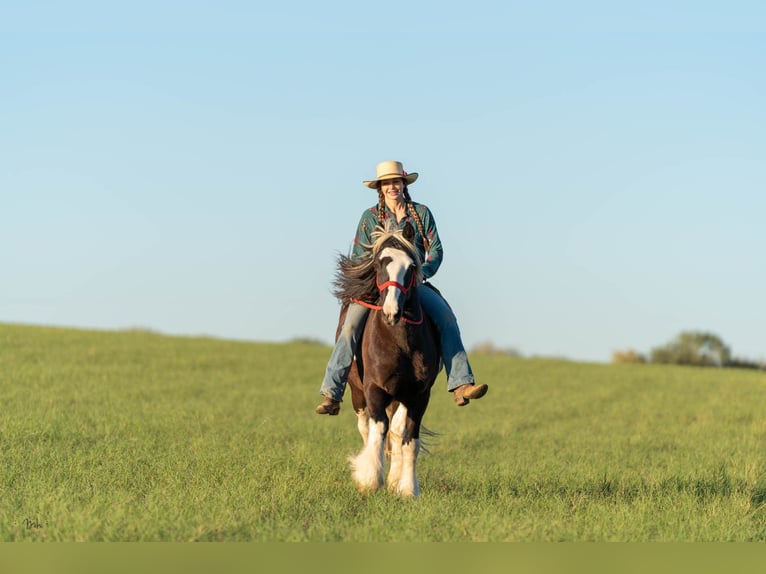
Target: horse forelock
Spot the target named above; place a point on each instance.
(389, 236)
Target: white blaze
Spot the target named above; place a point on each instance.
(397, 270)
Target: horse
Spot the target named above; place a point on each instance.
(396, 363)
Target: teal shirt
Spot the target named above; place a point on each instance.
(431, 260)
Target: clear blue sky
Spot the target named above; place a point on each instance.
(596, 169)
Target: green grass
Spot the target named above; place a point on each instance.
(133, 436)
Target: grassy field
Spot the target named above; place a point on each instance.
(134, 436)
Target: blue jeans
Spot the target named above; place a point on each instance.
(453, 353)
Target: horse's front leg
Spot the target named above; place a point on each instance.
(368, 467)
(363, 424)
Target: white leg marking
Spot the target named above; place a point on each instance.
(408, 483)
(362, 421)
(367, 467)
(395, 437)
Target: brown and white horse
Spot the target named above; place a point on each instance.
(396, 361)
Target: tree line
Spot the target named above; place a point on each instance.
(696, 348)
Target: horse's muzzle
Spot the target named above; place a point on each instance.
(392, 319)
(392, 307)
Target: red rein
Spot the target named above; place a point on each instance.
(401, 288)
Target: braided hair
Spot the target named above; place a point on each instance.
(381, 206)
(416, 217)
(410, 207)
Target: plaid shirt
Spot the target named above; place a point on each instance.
(369, 220)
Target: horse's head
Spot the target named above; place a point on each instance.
(398, 272)
(389, 272)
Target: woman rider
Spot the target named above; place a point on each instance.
(395, 204)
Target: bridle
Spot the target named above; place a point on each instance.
(396, 284)
(403, 289)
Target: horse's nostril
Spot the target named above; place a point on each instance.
(392, 318)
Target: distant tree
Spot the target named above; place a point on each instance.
(488, 348)
(628, 357)
(308, 341)
(693, 348)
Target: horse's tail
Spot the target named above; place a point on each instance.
(427, 438)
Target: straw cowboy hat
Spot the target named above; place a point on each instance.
(390, 170)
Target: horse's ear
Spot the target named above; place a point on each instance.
(409, 232)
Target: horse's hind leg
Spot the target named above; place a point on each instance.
(395, 447)
(405, 482)
(408, 483)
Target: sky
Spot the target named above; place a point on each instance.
(595, 169)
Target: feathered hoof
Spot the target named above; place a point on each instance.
(366, 479)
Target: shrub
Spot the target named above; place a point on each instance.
(628, 357)
(741, 363)
(487, 348)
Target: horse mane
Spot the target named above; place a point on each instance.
(356, 279)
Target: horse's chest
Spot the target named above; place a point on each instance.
(420, 367)
(407, 369)
(401, 360)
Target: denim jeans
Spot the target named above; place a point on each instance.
(453, 353)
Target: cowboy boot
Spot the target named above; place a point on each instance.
(328, 407)
(464, 393)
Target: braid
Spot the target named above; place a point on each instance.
(381, 206)
(416, 217)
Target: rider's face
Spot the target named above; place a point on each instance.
(392, 188)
